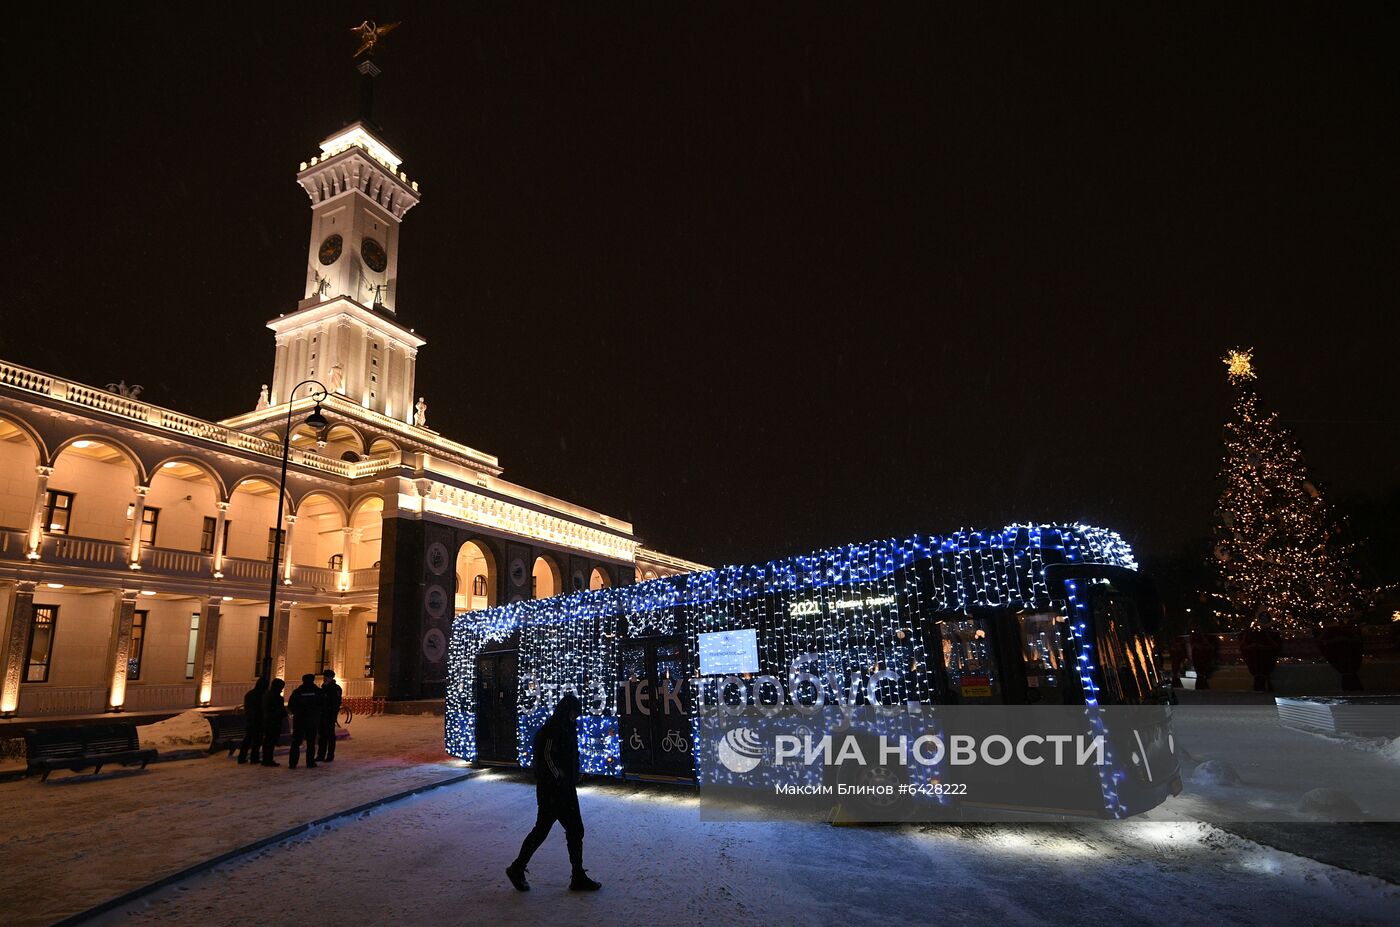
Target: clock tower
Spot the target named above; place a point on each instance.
(358, 198)
(345, 332)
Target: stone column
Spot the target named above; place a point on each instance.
(137, 508)
(347, 543)
(206, 646)
(119, 647)
(340, 639)
(21, 619)
(281, 628)
(36, 521)
(279, 376)
(220, 526)
(291, 521)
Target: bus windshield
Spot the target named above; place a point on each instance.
(1124, 649)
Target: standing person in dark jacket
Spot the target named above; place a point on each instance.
(325, 737)
(273, 714)
(252, 721)
(305, 706)
(556, 779)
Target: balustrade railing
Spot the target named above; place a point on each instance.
(360, 580)
(179, 562)
(94, 553)
(112, 403)
(84, 551)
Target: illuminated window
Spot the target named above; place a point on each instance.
(275, 539)
(337, 562)
(39, 654)
(478, 585)
(264, 628)
(369, 650)
(58, 510)
(192, 648)
(323, 645)
(138, 642)
(149, 519)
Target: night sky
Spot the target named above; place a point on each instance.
(759, 277)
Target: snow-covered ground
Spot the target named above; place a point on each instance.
(75, 841)
(438, 859)
(78, 841)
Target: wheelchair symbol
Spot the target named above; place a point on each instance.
(635, 741)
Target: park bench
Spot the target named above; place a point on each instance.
(226, 731)
(84, 746)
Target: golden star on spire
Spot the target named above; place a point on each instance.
(370, 33)
(1240, 364)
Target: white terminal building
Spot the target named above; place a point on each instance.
(136, 542)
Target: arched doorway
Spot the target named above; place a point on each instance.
(91, 492)
(252, 510)
(476, 577)
(20, 456)
(318, 540)
(186, 497)
(599, 579)
(545, 579)
(367, 524)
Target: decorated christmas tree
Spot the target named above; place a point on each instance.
(1280, 553)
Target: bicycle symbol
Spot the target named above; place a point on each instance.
(635, 741)
(674, 742)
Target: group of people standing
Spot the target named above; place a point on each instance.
(313, 709)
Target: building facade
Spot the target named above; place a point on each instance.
(136, 542)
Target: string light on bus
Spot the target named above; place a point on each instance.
(573, 641)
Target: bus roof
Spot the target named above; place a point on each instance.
(967, 568)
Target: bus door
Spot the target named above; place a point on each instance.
(1122, 614)
(969, 648)
(496, 719)
(654, 732)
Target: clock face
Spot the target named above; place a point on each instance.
(330, 249)
(373, 253)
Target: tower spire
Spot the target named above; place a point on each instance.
(370, 34)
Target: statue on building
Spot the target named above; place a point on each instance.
(369, 33)
(420, 413)
(121, 389)
(263, 400)
(337, 378)
(323, 285)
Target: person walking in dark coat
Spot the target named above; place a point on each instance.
(252, 721)
(330, 708)
(305, 706)
(273, 714)
(556, 779)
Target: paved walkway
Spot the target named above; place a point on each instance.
(77, 841)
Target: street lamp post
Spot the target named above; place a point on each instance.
(315, 420)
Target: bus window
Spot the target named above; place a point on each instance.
(1043, 650)
(1124, 650)
(967, 656)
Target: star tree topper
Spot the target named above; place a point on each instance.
(1240, 364)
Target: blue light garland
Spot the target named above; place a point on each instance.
(570, 643)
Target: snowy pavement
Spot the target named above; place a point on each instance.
(76, 841)
(437, 859)
(79, 841)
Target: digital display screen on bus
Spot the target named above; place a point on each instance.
(725, 652)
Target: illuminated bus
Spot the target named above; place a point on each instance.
(1029, 615)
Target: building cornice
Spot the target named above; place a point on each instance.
(320, 313)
